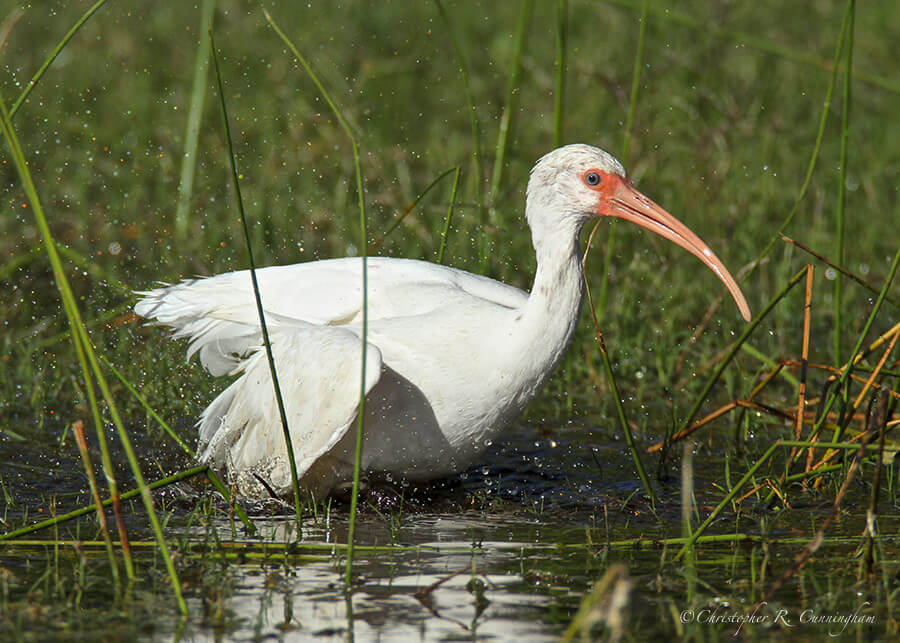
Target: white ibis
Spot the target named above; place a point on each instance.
(452, 357)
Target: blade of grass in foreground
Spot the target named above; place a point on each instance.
(614, 389)
(86, 349)
(128, 495)
(81, 441)
(213, 478)
(357, 461)
(74, 319)
(289, 446)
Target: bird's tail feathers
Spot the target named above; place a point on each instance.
(318, 371)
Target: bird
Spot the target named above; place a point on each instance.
(451, 357)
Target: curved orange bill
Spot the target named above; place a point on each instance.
(623, 201)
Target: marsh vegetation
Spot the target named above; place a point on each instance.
(747, 123)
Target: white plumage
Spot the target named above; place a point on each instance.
(452, 357)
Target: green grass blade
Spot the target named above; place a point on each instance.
(192, 129)
(128, 495)
(78, 329)
(162, 423)
(626, 149)
(313, 77)
(614, 389)
(727, 499)
(449, 217)
(843, 446)
(559, 93)
(477, 156)
(360, 193)
(512, 100)
(748, 330)
(842, 187)
(823, 119)
(750, 40)
(213, 478)
(626, 428)
(770, 362)
(256, 295)
(53, 54)
(412, 206)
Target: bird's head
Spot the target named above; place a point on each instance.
(576, 183)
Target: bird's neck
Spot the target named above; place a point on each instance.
(550, 316)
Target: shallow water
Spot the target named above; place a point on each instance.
(505, 551)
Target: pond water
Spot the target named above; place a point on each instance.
(505, 551)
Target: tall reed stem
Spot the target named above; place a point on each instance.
(842, 187)
(626, 151)
(512, 101)
(289, 445)
(477, 157)
(559, 93)
(192, 128)
(87, 354)
(361, 202)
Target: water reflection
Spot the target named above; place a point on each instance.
(436, 590)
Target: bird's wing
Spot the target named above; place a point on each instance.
(319, 372)
(218, 314)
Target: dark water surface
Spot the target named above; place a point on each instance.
(505, 551)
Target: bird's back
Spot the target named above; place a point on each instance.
(219, 316)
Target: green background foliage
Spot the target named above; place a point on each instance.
(726, 118)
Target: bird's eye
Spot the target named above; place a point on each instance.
(592, 179)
